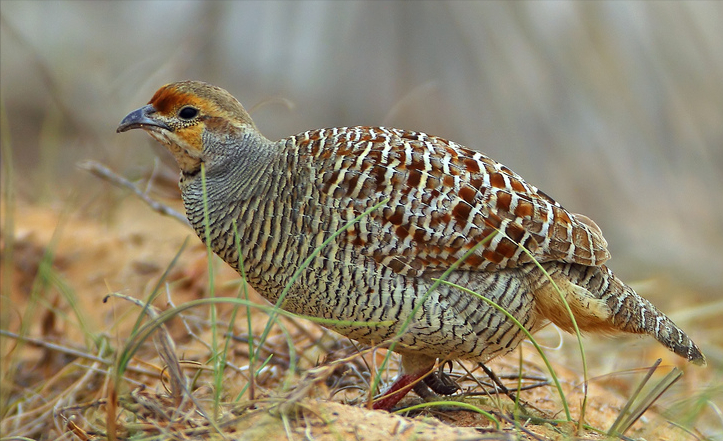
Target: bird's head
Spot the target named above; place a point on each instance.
(196, 122)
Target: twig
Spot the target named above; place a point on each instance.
(525, 388)
(114, 178)
(492, 376)
(519, 427)
(70, 351)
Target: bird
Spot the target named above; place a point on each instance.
(358, 226)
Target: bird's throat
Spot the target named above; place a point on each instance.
(188, 159)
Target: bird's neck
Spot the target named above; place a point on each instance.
(235, 191)
(235, 174)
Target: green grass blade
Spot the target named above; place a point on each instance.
(304, 265)
(124, 358)
(377, 378)
(7, 229)
(529, 336)
(217, 357)
(459, 404)
(578, 335)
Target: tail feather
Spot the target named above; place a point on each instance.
(601, 302)
(632, 313)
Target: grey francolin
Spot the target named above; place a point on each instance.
(287, 197)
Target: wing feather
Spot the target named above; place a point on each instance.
(444, 200)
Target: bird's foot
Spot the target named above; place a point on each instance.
(440, 383)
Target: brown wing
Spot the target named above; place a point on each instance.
(444, 199)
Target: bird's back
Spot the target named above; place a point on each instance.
(443, 200)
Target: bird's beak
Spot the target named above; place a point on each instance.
(141, 118)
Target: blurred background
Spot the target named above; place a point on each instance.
(615, 109)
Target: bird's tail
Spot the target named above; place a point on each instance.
(601, 302)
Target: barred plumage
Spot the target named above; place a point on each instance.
(286, 198)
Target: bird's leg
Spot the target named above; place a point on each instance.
(414, 368)
(399, 389)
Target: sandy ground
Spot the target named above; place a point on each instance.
(123, 247)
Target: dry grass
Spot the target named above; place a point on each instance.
(64, 374)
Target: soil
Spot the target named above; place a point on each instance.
(68, 271)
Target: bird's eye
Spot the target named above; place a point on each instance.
(187, 113)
